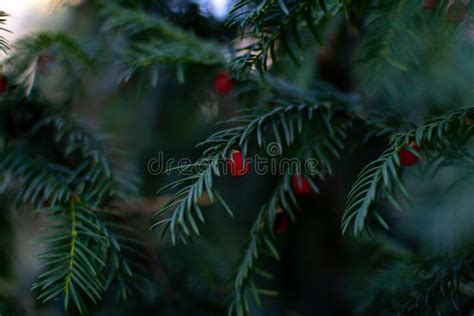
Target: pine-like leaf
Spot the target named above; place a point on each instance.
(324, 148)
(262, 124)
(269, 24)
(380, 178)
(4, 47)
(154, 41)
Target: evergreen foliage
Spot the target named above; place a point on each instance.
(51, 162)
(154, 41)
(262, 237)
(270, 24)
(282, 124)
(23, 61)
(3, 42)
(443, 139)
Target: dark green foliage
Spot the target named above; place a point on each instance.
(53, 163)
(3, 42)
(401, 40)
(23, 62)
(407, 54)
(85, 253)
(154, 41)
(74, 259)
(393, 42)
(446, 135)
(269, 24)
(282, 124)
(325, 146)
(33, 45)
(416, 285)
(445, 276)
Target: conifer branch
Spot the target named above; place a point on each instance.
(398, 38)
(261, 236)
(4, 47)
(74, 257)
(446, 134)
(273, 24)
(421, 282)
(83, 256)
(35, 44)
(70, 181)
(443, 279)
(23, 62)
(154, 41)
(326, 147)
(283, 124)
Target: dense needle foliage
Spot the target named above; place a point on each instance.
(331, 81)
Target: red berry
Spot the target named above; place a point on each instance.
(223, 83)
(429, 4)
(3, 84)
(300, 185)
(280, 224)
(407, 158)
(457, 11)
(236, 166)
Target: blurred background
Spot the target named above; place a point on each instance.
(320, 272)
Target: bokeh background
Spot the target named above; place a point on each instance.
(320, 272)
